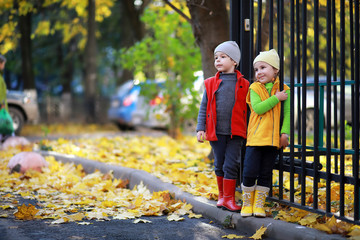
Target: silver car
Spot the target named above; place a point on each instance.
(310, 96)
(23, 108)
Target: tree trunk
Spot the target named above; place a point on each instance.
(26, 51)
(90, 65)
(210, 24)
(133, 31)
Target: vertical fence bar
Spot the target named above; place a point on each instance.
(292, 82)
(235, 21)
(342, 105)
(303, 109)
(335, 106)
(280, 22)
(245, 38)
(352, 65)
(351, 15)
(258, 34)
(271, 24)
(316, 104)
(251, 76)
(328, 106)
(298, 76)
(356, 113)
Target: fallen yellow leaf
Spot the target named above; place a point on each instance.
(232, 236)
(141, 221)
(26, 212)
(174, 217)
(355, 232)
(259, 233)
(193, 215)
(309, 220)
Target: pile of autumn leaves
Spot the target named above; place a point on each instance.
(64, 193)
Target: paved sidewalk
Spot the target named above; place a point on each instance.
(276, 229)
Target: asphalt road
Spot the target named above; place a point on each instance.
(160, 229)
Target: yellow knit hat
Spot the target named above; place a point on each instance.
(271, 57)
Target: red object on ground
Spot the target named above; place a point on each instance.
(24, 161)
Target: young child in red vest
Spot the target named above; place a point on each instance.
(222, 120)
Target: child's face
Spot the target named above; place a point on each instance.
(223, 63)
(264, 72)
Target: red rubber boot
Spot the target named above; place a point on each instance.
(220, 201)
(229, 196)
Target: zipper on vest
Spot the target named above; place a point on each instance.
(257, 126)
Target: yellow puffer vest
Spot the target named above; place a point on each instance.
(264, 130)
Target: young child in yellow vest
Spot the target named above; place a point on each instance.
(265, 135)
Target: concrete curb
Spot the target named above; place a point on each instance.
(276, 229)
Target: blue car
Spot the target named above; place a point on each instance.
(129, 109)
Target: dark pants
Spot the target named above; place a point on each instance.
(227, 155)
(258, 165)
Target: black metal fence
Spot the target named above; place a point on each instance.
(318, 44)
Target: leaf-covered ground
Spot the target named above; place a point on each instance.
(182, 162)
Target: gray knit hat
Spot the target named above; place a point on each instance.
(231, 49)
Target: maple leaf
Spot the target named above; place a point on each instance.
(259, 233)
(322, 227)
(232, 236)
(355, 234)
(75, 217)
(174, 217)
(309, 220)
(26, 212)
(141, 221)
(193, 215)
(60, 221)
(84, 223)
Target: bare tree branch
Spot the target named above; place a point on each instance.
(177, 10)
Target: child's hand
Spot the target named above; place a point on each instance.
(201, 136)
(282, 96)
(284, 140)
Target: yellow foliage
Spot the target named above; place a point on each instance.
(259, 233)
(25, 7)
(26, 212)
(43, 29)
(232, 236)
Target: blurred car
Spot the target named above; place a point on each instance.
(310, 106)
(128, 108)
(23, 108)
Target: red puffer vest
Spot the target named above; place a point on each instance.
(239, 111)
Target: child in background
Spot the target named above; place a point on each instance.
(222, 120)
(265, 137)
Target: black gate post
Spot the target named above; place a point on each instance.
(240, 32)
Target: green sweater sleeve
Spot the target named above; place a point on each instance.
(286, 120)
(261, 107)
(3, 92)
